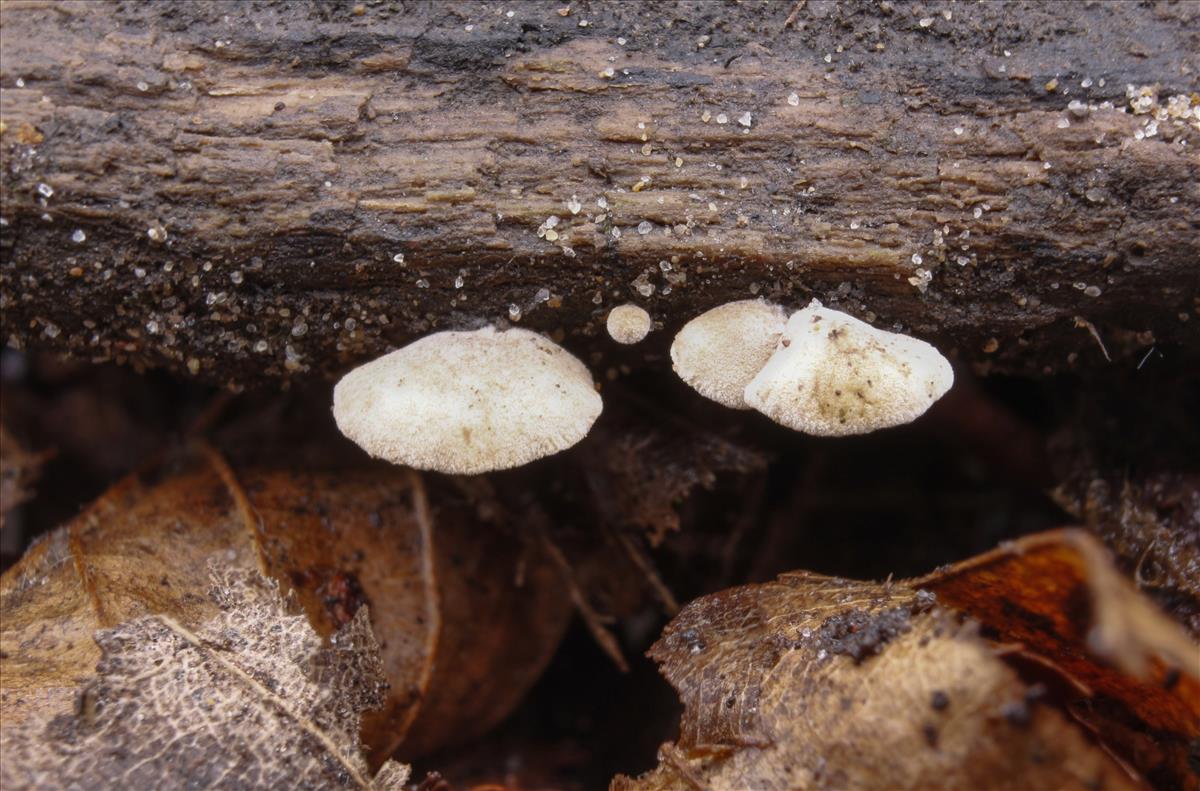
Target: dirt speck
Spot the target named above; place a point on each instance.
(860, 634)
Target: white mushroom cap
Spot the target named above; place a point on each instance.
(628, 323)
(720, 351)
(468, 402)
(834, 375)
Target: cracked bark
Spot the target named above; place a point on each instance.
(256, 192)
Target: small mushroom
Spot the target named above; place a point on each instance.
(468, 402)
(628, 324)
(834, 375)
(721, 350)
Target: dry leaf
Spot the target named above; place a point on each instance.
(466, 615)
(1129, 474)
(248, 699)
(1152, 521)
(815, 682)
(1134, 676)
(641, 469)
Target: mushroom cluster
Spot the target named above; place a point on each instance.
(821, 371)
(488, 399)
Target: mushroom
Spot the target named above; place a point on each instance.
(468, 402)
(721, 350)
(628, 324)
(834, 375)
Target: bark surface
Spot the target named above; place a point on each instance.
(250, 192)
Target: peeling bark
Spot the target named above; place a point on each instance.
(248, 192)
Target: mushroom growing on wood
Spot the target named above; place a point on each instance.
(834, 375)
(468, 402)
(628, 324)
(721, 350)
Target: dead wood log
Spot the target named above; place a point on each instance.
(249, 191)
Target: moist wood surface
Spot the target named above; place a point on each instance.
(256, 191)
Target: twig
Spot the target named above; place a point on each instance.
(795, 13)
(747, 519)
(212, 412)
(1080, 321)
(646, 565)
(593, 619)
(602, 500)
(481, 488)
(1147, 357)
(251, 519)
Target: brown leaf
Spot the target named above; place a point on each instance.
(817, 682)
(1059, 597)
(248, 699)
(460, 639)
